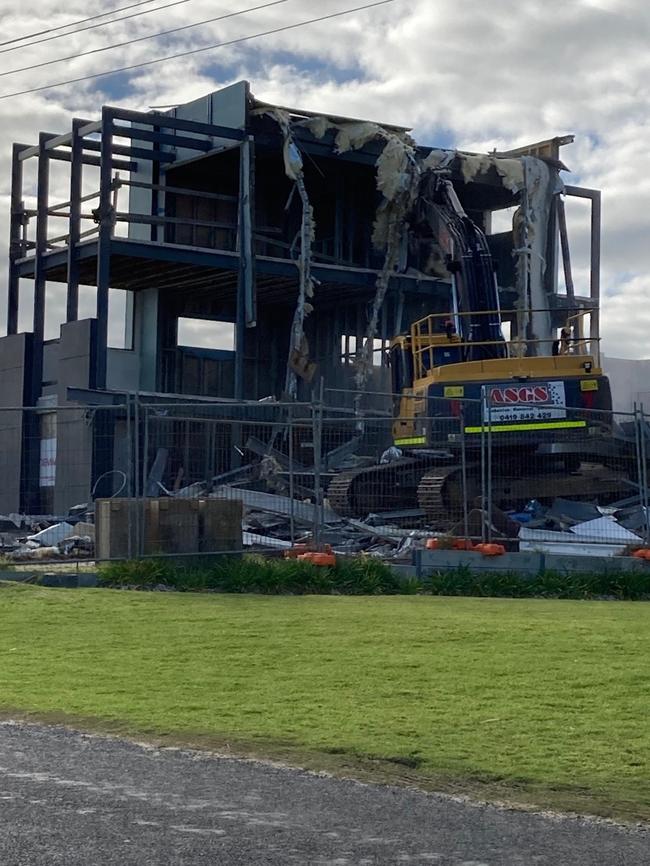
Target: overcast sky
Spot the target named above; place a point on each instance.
(472, 75)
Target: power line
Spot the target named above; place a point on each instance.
(195, 50)
(143, 38)
(73, 23)
(94, 26)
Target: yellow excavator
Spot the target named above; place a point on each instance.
(543, 403)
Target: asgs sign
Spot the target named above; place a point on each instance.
(520, 394)
(537, 401)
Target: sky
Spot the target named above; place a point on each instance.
(471, 75)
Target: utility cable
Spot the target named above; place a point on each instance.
(144, 38)
(71, 24)
(94, 26)
(240, 39)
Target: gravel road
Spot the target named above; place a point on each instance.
(78, 800)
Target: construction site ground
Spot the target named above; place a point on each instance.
(530, 702)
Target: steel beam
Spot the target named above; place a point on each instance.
(118, 164)
(91, 128)
(87, 129)
(65, 139)
(133, 152)
(168, 122)
(161, 138)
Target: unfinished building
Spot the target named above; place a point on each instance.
(286, 226)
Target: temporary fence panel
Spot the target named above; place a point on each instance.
(361, 475)
(55, 462)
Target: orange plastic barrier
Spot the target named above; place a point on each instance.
(456, 544)
(295, 551)
(298, 550)
(490, 549)
(316, 558)
(463, 544)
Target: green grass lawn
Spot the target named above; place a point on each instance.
(544, 702)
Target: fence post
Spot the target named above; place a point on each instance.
(292, 519)
(463, 463)
(317, 429)
(644, 475)
(129, 471)
(483, 458)
(489, 472)
(637, 452)
(137, 508)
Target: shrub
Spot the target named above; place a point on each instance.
(549, 584)
(365, 575)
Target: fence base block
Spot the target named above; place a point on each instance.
(152, 527)
(426, 561)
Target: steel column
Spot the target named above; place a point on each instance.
(247, 228)
(104, 248)
(246, 300)
(76, 169)
(594, 277)
(594, 292)
(38, 327)
(566, 253)
(15, 237)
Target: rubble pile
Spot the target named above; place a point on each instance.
(46, 537)
(285, 503)
(581, 528)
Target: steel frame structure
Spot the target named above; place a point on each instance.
(99, 257)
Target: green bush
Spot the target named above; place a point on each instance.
(367, 576)
(362, 576)
(632, 585)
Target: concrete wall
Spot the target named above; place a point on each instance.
(15, 351)
(74, 435)
(123, 370)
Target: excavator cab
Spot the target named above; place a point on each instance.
(401, 364)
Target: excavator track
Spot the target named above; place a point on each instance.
(438, 489)
(377, 488)
(440, 495)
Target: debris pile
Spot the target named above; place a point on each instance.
(581, 528)
(45, 537)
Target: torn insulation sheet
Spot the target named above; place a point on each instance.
(298, 363)
(511, 171)
(398, 176)
(530, 228)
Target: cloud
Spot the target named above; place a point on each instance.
(481, 75)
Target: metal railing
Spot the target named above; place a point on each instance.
(438, 331)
